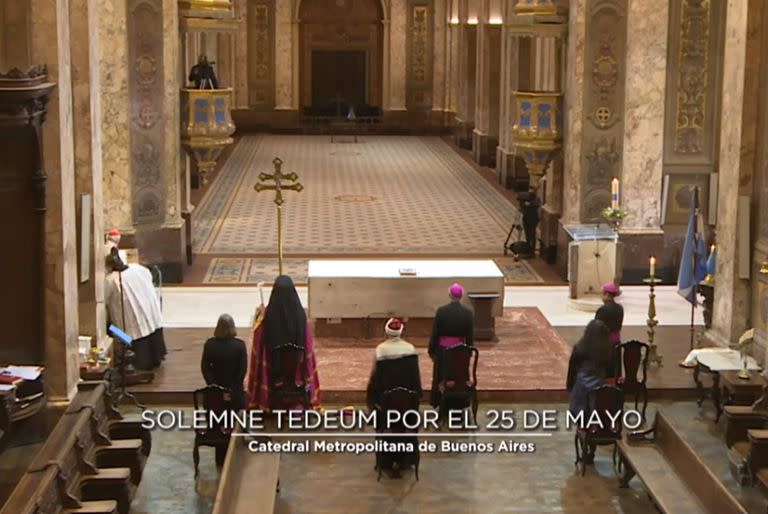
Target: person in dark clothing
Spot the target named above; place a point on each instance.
(612, 314)
(396, 365)
(454, 325)
(225, 360)
(596, 334)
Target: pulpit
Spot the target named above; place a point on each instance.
(206, 126)
(594, 258)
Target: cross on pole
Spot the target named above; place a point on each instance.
(278, 177)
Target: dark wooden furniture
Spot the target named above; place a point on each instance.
(23, 96)
(676, 478)
(738, 391)
(485, 323)
(288, 385)
(217, 400)
(713, 393)
(80, 468)
(22, 402)
(402, 400)
(248, 480)
(739, 420)
(608, 402)
(632, 367)
(459, 380)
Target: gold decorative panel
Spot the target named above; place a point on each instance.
(603, 122)
(694, 64)
(261, 84)
(419, 63)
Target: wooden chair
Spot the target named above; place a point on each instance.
(288, 385)
(212, 399)
(608, 401)
(459, 378)
(632, 368)
(399, 399)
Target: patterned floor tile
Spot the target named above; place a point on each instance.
(383, 195)
(237, 270)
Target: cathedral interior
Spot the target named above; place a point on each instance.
(569, 143)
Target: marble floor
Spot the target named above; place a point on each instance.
(543, 482)
(192, 307)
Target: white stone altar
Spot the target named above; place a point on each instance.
(362, 289)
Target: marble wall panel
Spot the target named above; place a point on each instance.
(172, 182)
(440, 51)
(397, 55)
(284, 54)
(419, 56)
(574, 101)
(641, 169)
(60, 267)
(14, 43)
(241, 71)
(261, 63)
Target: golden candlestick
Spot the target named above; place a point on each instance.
(653, 354)
(278, 176)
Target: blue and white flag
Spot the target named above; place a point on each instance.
(693, 267)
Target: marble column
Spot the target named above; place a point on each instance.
(284, 54)
(440, 52)
(49, 43)
(240, 83)
(743, 39)
(486, 121)
(505, 155)
(397, 56)
(574, 102)
(88, 166)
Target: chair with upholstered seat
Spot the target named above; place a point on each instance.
(217, 400)
(288, 385)
(401, 400)
(608, 402)
(459, 378)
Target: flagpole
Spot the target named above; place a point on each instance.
(693, 258)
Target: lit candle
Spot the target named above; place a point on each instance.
(653, 266)
(615, 193)
(711, 249)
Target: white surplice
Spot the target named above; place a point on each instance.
(142, 306)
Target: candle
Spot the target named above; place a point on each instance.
(711, 249)
(615, 193)
(653, 266)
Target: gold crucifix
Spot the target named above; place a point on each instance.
(278, 176)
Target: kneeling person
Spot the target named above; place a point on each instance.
(396, 365)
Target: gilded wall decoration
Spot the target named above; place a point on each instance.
(261, 83)
(145, 92)
(602, 118)
(694, 57)
(419, 64)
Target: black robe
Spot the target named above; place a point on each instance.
(391, 371)
(612, 314)
(224, 363)
(451, 320)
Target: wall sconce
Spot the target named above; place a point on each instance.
(496, 20)
(454, 20)
(472, 20)
(764, 267)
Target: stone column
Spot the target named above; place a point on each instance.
(240, 82)
(574, 101)
(50, 44)
(440, 52)
(738, 126)
(284, 54)
(641, 175)
(397, 57)
(505, 157)
(486, 130)
(88, 161)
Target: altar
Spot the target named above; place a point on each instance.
(353, 298)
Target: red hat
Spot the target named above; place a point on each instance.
(113, 232)
(394, 327)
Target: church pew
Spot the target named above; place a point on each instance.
(41, 493)
(739, 420)
(675, 477)
(248, 482)
(95, 395)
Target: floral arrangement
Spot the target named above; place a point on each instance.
(614, 216)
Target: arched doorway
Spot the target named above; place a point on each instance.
(341, 53)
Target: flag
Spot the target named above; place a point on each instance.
(693, 263)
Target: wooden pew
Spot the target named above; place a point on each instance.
(676, 478)
(739, 420)
(248, 481)
(80, 469)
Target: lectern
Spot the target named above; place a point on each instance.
(594, 258)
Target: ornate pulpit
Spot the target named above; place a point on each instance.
(538, 130)
(206, 125)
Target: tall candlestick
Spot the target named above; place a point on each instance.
(653, 267)
(615, 193)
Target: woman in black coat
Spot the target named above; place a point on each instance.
(225, 360)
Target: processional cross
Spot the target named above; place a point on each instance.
(278, 177)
